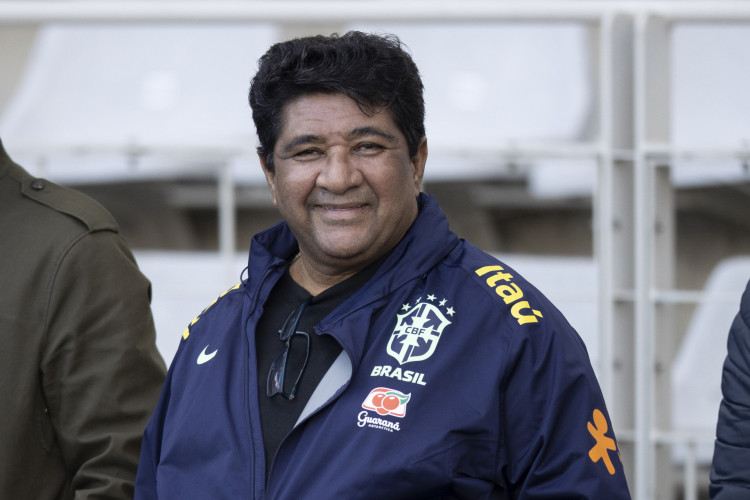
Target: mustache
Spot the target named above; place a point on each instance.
(339, 201)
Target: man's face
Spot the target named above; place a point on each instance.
(343, 181)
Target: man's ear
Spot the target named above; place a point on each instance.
(418, 164)
(270, 178)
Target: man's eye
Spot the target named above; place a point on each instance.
(307, 154)
(368, 148)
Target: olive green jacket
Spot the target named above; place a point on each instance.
(79, 370)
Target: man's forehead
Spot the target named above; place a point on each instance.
(333, 99)
(312, 116)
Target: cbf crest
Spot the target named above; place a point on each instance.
(418, 330)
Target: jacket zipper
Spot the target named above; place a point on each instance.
(328, 402)
(255, 298)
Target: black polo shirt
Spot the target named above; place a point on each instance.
(278, 414)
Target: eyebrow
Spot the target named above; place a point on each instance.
(354, 134)
(300, 139)
(363, 131)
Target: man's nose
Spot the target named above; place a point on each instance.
(340, 172)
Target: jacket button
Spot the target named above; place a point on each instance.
(37, 184)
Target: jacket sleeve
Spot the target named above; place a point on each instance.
(146, 484)
(101, 371)
(146, 487)
(559, 441)
(730, 474)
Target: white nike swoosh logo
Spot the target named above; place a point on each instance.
(203, 357)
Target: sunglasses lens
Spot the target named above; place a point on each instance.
(287, 330)
(275, 384)
(277, 373)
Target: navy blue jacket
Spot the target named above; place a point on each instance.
(457, 379)
(730, 470)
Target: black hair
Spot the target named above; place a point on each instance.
(372, 69)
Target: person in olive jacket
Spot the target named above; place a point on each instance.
(730, 468)
(79, 366)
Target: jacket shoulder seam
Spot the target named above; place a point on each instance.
(231, 291)
(70, 202)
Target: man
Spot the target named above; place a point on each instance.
(730, 474)
(370, 353)
(80, 369)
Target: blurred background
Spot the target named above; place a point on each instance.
(601, 148)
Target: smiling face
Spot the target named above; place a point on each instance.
(343, 181)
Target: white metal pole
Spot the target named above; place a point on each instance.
(643, 448)
(227, 229)
(328, 11)
(603, 199)
(690, 471)
(293, 11)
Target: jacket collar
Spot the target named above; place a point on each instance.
(427, 242)
(5, 161)
(424, 245)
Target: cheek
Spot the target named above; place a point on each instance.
(397, 187)
(291, 199)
